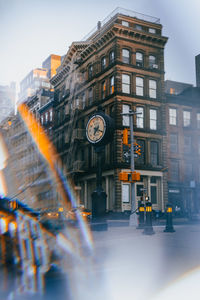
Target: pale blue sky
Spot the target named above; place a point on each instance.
(31, 30)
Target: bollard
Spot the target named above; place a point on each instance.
(141, 217)
(169, 224)
(148, 229)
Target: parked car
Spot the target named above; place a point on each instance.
(86, 214)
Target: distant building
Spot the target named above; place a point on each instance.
(39, 78)
(175, 87)
(183, 150)
(7, 99)
(51, 64)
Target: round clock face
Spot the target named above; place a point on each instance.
(95, 129)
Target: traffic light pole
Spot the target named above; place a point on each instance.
(133, 216)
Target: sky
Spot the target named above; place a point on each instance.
(31, 30)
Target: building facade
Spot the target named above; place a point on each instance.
(7, 99)
(183, 148)
(120, 66)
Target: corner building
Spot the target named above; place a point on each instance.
(119, 66)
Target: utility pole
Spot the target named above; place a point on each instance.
(133, 216)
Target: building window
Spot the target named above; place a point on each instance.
(139, 86)
(50, 115)
(111, 57)
(138, 27)
(125, 119)
(141, 158)
(112, 85)
(187, 144)
(152, 88)
(90, 71)
(139, 59)
(153, 194)
(154, 153)
(186, 118)
(126, 83)
(152, 62)
(188, 171)
(103, 89)
(126, 56)
(199, 145)
(174, 170)
(198, 120)
(83, 100)
(173, 142)
(46, 117)
(152, 30)
(153, 119)
(42, 120)
(90, 96)
(103, 63)
(172, 116)
(140, 117)
(125, 23)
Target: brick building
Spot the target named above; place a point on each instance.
(118, 66)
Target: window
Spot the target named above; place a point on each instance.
(198, 120)
(153, 119)
(83, 100)
(111, 57)
(125, 119)
(138, 27)
(139, 59)
(90, 96)
(46, 117)
(103, 89)
(188, 171)
(141, 158)
(103, 63)
(42, 120)
(51, 115)
(112, 85)
(186, 118)
(152, 30)
(126, 83)
(152, 88)
(174, 170)
(152, 61)
(173, 142)
(125, 23)
(139, 86)
(198, 145)
(140, 117)
(154, 153)
(126, 56)
(90, 71)
(153, 194)
(172, 116)
(187, 144)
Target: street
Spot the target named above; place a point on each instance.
(132, 265)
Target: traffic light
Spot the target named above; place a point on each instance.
(137, 148)
(135, 176)
(125, 136)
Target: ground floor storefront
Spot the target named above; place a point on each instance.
(118, 193)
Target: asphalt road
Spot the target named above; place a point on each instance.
(131, 265)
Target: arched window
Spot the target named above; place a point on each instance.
(126, 56)
(103, 63)
(111, 56)
(139, 59)
(152, 62)
(139, 86)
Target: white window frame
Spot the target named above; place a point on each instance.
(173, 116)
(125, 119)
(153, 118)
(126, 83)
(186, 118)
(126, 56)
(140, 117)
(139, 86)
(152, 88)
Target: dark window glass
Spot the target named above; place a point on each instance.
(154, 153)
(173, 142)
(153, 194)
